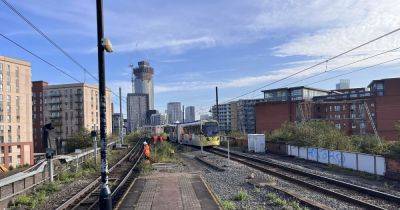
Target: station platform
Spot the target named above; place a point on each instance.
(169, 190)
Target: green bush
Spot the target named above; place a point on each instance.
(164, 152)
(241, 196)
(228, 205)
(324, 134)
(79, 140)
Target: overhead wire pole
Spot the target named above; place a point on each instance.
(105, 193)
(121, 117)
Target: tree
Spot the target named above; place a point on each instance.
(79, 140)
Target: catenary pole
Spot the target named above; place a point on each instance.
(121, 117)
(105, 193)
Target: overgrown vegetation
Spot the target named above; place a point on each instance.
(37, 198)
(164, 152)
(324, 134)
(228, 205)
(80, 140)
(133, 137)
(277, 201)
(241, 195)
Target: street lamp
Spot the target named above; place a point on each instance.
(103, 45)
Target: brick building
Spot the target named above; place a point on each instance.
(37, 114)
(354, 111)
(284, 105)
(15, 112)
(73, 107)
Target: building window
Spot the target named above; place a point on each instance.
(9, 149)
(337, 108)
(337, 116)
(10, 159)
(338, 126)
(352, 116)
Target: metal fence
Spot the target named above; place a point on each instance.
(23, 181)
(373, 164)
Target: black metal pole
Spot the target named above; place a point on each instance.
(216, 103)
(121, 117)
(183, 114)
(105, 193)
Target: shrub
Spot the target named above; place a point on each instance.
(241, 196)
(80, 140)
(164, 152)
(228, 205)
(324, 134)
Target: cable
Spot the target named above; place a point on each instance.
(329, 78)
(12, 8)
(315, 65)
(40, 58)
(336, 68)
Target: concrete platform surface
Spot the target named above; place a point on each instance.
(169, 191)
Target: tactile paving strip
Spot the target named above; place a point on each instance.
(189, 198)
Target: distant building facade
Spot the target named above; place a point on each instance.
(74, 107)
(142, 81)
(116, 117)
(38, 114)
(237, 115)
(157, 119)
(343, 84)
(174, 112)
(205, 117)
(15, 112)
(137, 107)
(353, 111)
(190, 114)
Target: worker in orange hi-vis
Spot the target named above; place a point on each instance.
(146, 150)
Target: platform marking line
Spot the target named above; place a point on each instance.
(189, 198)
(146, 197)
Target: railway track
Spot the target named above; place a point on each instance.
(354, 194)
(121, 175)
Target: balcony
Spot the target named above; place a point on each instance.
(55, 117)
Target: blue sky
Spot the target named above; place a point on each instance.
(197, 45)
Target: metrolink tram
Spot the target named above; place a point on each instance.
(199, 133)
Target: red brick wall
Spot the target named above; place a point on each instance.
(387, 113)
(271, 115)
(37, 93)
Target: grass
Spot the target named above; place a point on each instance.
(37, 198)
(228, 205)
(277, 201)
(164, 152)
(241, 196)
(40, 194)
(145, 168)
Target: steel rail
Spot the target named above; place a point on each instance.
(260, 164)
(93, 186)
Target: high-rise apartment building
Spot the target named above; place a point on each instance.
(174, 111)
(157, 119)
(343, 84)
(37, 115)
(15, 112)
(237, 115)
(137, 107)
(142, 81)
(190, 114)
(73, 107)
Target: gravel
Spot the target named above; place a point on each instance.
(227, 184)
(362, 179)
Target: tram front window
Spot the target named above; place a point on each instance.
(210, 129)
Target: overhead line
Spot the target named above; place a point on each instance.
(339, 75)
(11, 7)
(322, 62)
(40, 58)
